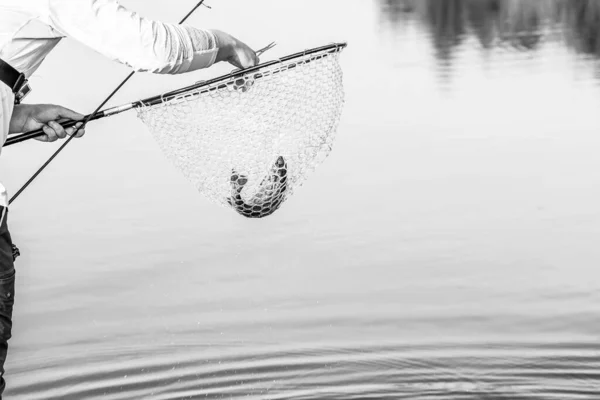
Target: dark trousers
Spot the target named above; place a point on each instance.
(7, 292)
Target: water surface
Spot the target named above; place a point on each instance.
(447, 249)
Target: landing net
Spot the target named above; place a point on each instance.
(250, 139)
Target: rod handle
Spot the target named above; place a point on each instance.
(21, 137)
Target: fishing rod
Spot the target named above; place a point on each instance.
(198, 88)
(87, 119)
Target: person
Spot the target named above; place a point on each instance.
(31, 29)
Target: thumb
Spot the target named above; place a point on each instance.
(251, 59)
(63, 112)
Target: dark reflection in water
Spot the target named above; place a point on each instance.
(524, 25)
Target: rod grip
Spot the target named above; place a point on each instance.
(37, 133)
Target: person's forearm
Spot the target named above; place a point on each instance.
(124, 36)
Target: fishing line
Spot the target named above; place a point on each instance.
(86, 120)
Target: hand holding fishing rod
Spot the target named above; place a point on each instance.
(50, 122)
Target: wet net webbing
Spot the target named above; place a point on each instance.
(249, 141)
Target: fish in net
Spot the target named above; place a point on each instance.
(248, 142)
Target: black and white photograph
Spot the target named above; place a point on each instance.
(300, 200)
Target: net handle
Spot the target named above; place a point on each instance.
(151, 101)
(37, 133)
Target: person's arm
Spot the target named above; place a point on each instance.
(145, 45)
(31, 117)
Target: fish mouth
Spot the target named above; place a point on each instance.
(269, 196)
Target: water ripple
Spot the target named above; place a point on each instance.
(452, 371)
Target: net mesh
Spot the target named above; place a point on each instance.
(248, 142)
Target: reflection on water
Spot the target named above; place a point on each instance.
(520, 24)
(447, 249)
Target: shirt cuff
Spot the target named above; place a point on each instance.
(205, 49)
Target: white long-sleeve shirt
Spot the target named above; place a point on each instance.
(30, 29)
(6, 108)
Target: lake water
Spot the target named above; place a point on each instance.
(447, 249)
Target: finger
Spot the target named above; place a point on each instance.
(56, 127)
(252, 59)
(236, 62)
(69, 114)
(73, 129)
(77, 130)
(80, 132)
(43, 138)
(244, 59)
(51, 135)
(248, 62)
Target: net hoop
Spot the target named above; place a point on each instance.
(248, 139)
(220, 82)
